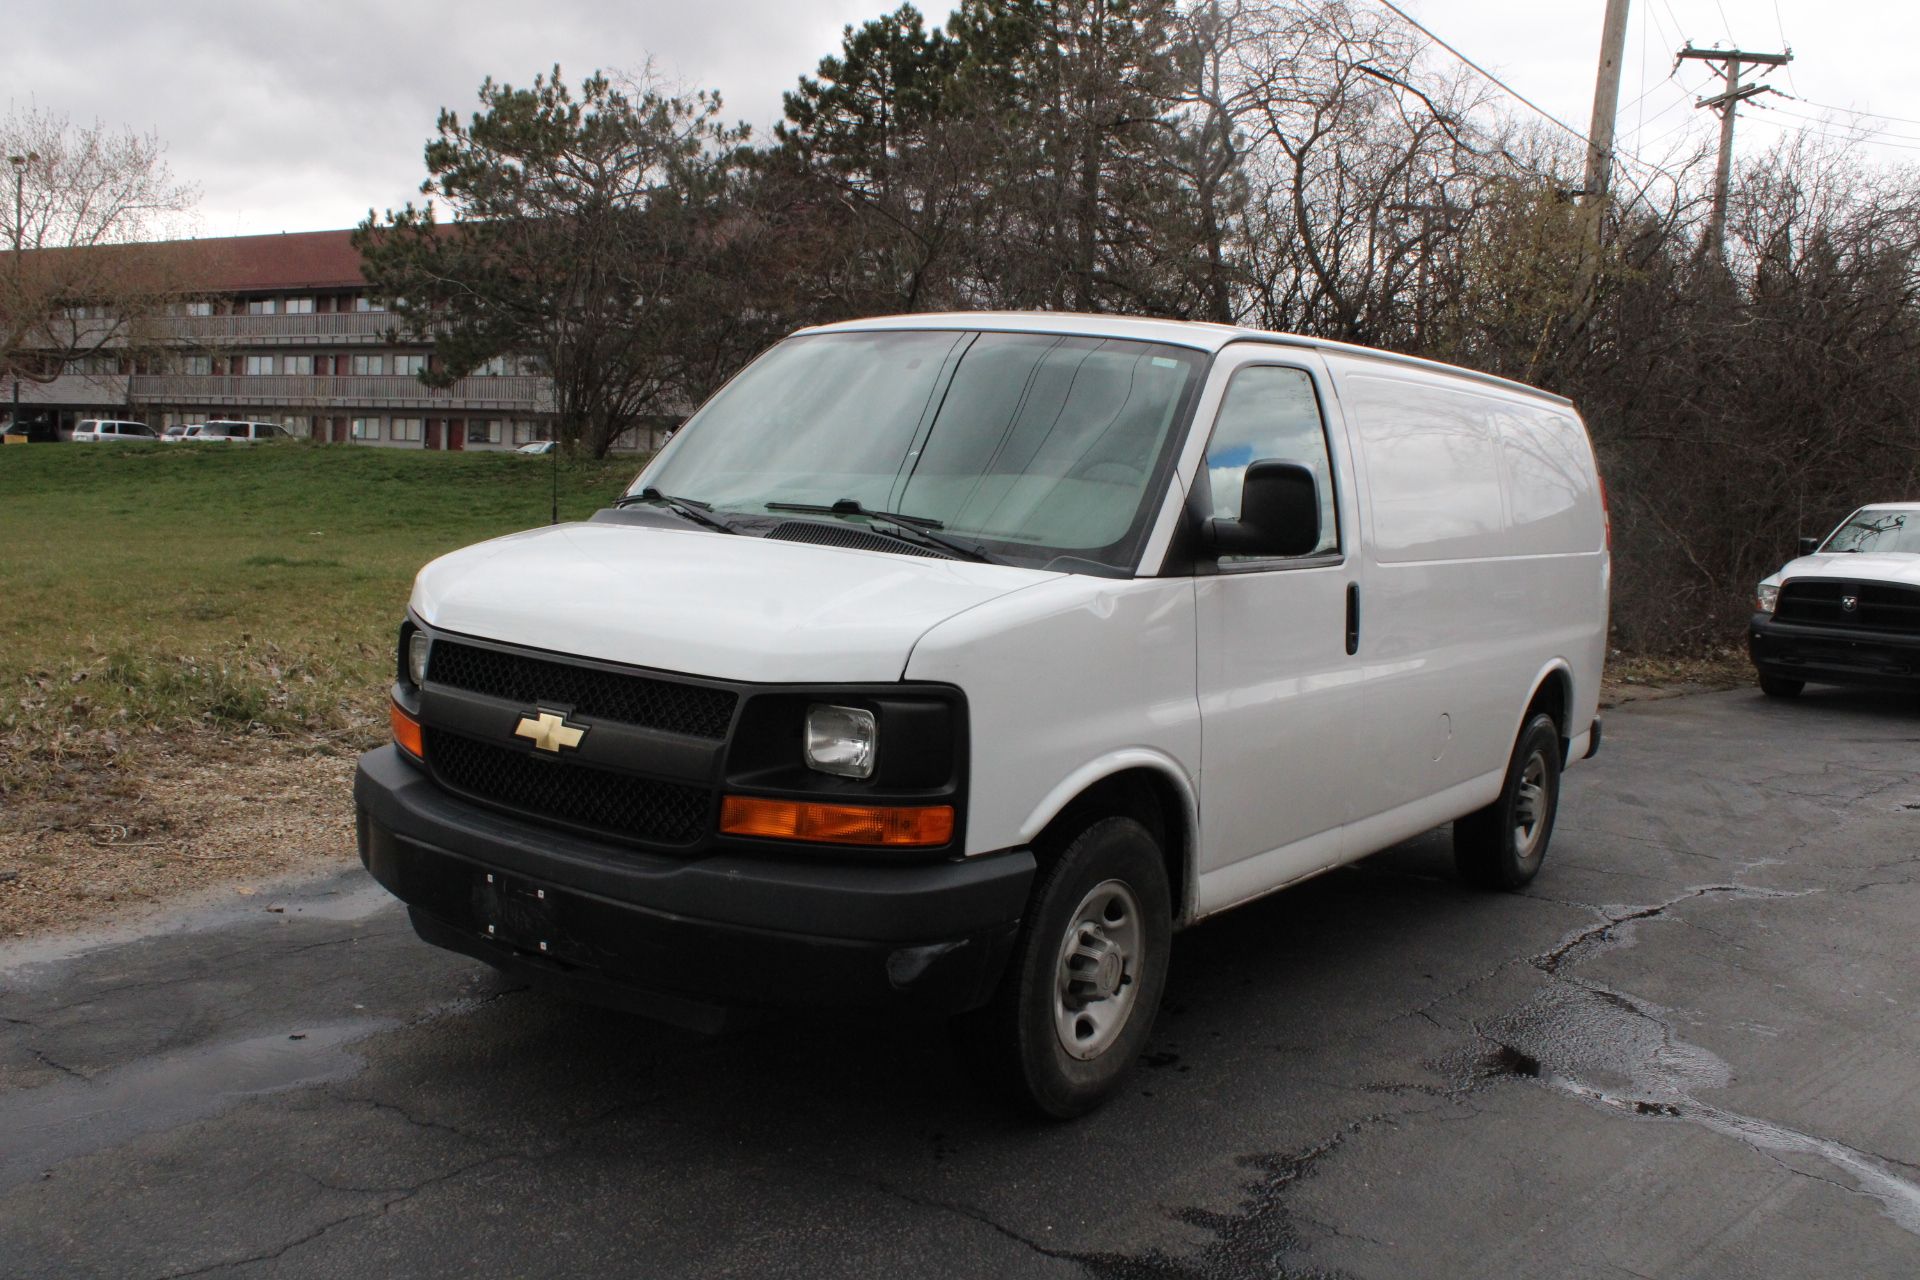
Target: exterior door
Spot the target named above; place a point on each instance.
(1279, 693)
(456, 433)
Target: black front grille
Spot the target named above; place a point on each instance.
(596, 799)
(590, 692)
(1877, 606)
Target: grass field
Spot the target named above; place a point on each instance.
(160, 586)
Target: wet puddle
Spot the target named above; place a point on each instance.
(73, 1117)
(1618, 1052)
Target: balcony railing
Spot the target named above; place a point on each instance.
(355, 327)
(318, 391)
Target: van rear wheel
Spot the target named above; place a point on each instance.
(1077, 1003)
(1502, 845)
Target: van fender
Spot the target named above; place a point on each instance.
(1070, 788)
(1547, 670)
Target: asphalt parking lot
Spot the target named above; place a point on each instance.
(1690, 1049)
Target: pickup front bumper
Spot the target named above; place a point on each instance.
(1834, 655)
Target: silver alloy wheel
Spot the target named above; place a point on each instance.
(1095, 982)
(1530, 804)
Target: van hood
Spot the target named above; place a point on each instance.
(1896, 567)
(726, 606)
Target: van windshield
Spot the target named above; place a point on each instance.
(1037, 447)
(1878, 531)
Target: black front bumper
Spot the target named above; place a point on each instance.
(682, 938)
(1834, 655)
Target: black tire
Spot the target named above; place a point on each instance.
(1781, 687)
(1502, 845)
(1017, 1043)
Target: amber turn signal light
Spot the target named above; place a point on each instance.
(836, 823)
(406, 732)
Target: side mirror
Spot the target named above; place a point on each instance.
(1279, 514)
(1809, 545)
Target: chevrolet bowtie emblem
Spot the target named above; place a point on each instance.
(549, 732)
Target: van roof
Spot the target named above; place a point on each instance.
(1202, 335)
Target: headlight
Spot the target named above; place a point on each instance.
(417, 646)
(1765, 597)
(840, 740)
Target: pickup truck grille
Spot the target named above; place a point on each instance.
(1877, 606)
(591, 692)
(598, 800)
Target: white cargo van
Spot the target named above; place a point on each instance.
(952, 662)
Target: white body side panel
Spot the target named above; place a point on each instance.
(1486, 569)
(1067, 683)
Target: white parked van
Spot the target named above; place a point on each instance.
(103, 430)
(953, 662)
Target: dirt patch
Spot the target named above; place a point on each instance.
(113, 834)
(1637, 679)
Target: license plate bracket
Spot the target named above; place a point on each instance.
(520, 914)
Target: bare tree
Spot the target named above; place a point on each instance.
(79, 284)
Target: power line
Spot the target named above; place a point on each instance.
(1511, 91)
(1784, 43)
(1863, 130)
(1515, 93)
(1852, 111)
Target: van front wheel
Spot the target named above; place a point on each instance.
(1083, 985)
(1502, 845)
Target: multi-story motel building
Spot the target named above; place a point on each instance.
(281, 328)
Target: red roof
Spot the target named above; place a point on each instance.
(243, 264)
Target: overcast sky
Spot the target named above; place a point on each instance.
(300, 116)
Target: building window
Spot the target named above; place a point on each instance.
(200, 366)
(299, 306)
(494, 368)
(263, 306)
(369, 364)
(483, 432)
(366, 428)
(257, 365)
(407, 429)
(296, 364)
(409, 366)
(523, 433)
(362, 302)
(199, 308)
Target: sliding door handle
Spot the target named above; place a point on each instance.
(1353, 618)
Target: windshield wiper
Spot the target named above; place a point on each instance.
(919, 529)
(691, 508)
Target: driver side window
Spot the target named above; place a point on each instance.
(1270, 413)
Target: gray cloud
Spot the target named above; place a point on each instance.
(298, 116)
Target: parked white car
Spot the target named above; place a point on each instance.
(227, 432)
(103, 430)
(952, 663)
(536, 447)
(1847, 611)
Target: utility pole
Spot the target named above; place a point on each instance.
(19, 164)
(1727, 103)
(1606, 103)
(1593, 192)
